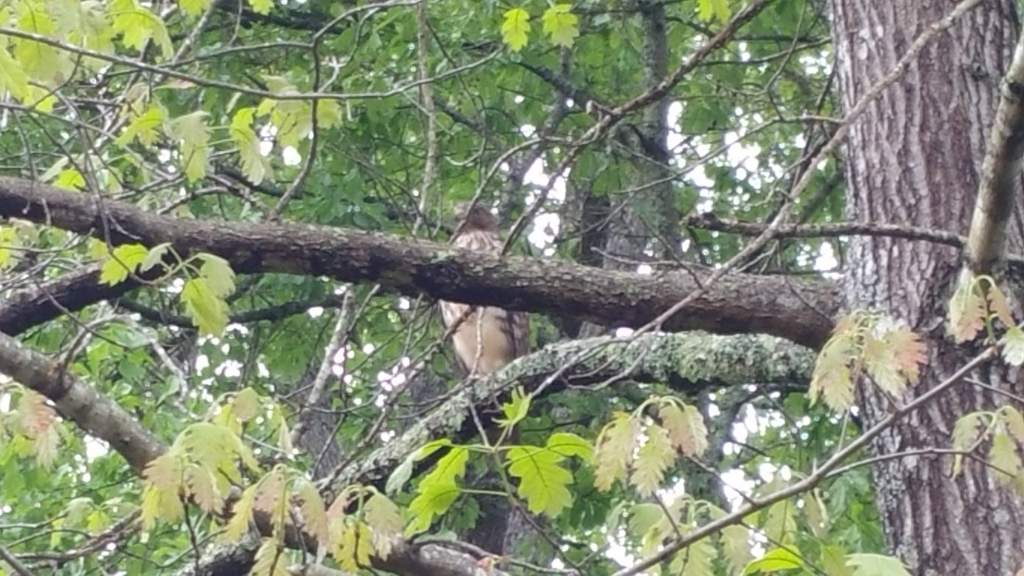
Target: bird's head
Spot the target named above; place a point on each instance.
(476, 217)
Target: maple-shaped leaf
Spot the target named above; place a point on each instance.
(569, 444)
(614, 450)
(40, 61)
(561, 25)
(385, 521)
(241, 516)
(1013, 346)
(652, 460)
(193, 138)
(695, 560)
(438, 489)
(542, 478)
(13, 78)
(137, 26)
(124, 260)
(208, 312)
(194, 7)
(775, 560)
(966, 311)
(833, 561)
(515, 28)
(218, 274)
(685, 426)
(254, 164)
(1003, 457)
(401, 474)
(70, 179)
(832, 379)
(261, 6)
(875, 565)
(708, 9)
(144, 128)
(314, 513)
(269, 560)
(967, 432)
(515, 409)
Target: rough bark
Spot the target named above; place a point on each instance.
(915, 158)
(799, 310)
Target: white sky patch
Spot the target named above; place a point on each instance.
(527, 130)
(5, 403)
(404, 304)
(545, 229)
(623, 332)
(290, 156)
(644, 269)
(518, 99)
(202, 362)
(229, 369)
(95, 448)
(315, 311)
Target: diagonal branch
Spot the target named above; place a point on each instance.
(796, 309)
(1000, 178)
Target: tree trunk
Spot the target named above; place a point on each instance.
(915, 158)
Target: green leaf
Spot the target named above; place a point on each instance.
(542, 479)
(832, 379)
(1013, 346)
(652, 460)
(194, 7)
(695, 560)
(774, 561)
(569, 444)
(13, 78)
(385, 520)
(269, 561)
(241, 516)
(561, 25)
(137, 26)
(875, 565)
(966, 311)
(708, 9)
(967, 432)
(125, 259)
(209, 312)
(70, 179)
(254, 164)
(194, 150)
(515, 28)
(261, 6)
(154, 256)
(145, 127)
(1003, 457)
(438, 490)
(515, 409)
(218, 274)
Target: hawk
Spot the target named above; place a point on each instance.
(502, 334)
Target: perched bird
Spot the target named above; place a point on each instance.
(503, 335)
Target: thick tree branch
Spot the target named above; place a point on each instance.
(688, 363)
(799, 310)
(1000, 179)
(71, 292)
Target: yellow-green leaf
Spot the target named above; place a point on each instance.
(875, 565)
(561, 25)
(269, 560)
(261, 6)
(194, 7)
(685, 426)
(515, 28)
(137, 26)
(1013, 346)
(194, 150)
(385, 520)
(775, 560)
(13, 78)
(241, 516)
(614, 450)
(652, 460)
(209, 313)
(254, 165)
(125, 259)
(218, 274)
(542, 479)
(70, 179)
(145, 127)
(708, 9)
